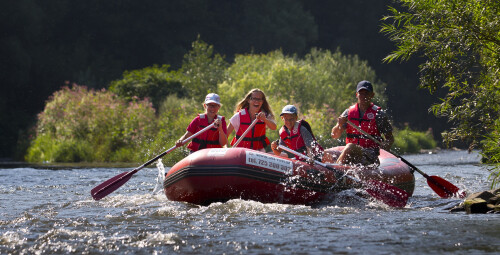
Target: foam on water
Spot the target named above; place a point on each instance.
(51, 212)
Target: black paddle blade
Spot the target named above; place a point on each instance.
(444, 188)
(111, 185)
(389, 194)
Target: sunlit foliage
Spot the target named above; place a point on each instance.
(153, 82)
(78, 124)
(322, 85)
(460, 42)
(86, 125)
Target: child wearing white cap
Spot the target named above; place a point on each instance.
(215, 137)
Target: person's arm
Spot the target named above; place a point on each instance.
(270, 122)
(221, 127)
(338, 129)
(341, 125)
(278, 152)
(233, 124)
(309, 143)
(190, 130)
(188, 134)
(274, 147)
(308, 138)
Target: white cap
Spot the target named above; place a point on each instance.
(212, 98)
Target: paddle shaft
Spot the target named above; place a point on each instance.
(174, 147)
(442, 184)
(246, 132)
(114, 183)
(338, 173)
(380, 143)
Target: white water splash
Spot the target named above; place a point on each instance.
(160, 178)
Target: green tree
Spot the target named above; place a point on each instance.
(322, 85)
(201, 69)
(460, 42)
(153, 82)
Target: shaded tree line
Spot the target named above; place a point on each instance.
(45, 43)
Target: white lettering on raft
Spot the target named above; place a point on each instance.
(267, 161)
(217, 152)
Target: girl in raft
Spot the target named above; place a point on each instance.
(213, 138)
(253, 106)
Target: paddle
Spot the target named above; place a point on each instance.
(442, 187)
(389, 194)
(246, 132)
(107, 187)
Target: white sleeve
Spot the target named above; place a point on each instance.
(235, 121)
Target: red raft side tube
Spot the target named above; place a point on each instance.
(218, 175)
(391, 171)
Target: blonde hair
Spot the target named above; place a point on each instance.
(244, 102)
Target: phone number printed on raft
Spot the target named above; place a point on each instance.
(268, 161)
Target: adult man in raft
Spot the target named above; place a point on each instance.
(370, 118)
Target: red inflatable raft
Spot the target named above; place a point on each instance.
(218, 175)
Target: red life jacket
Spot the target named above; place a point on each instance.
(208, 139)
(367, 123)
(256, 138)
(295, 141)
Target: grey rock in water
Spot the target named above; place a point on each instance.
(480, 202)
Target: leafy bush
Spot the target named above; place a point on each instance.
(152, 82)
(174, 117)
(491, 153)
(410, 141)
(85, 125)
(78, 124)
(322, 85)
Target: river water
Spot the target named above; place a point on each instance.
(47, 211)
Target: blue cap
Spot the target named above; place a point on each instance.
(364, 85)
(289, 109)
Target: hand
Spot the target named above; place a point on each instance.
(178, 143)
(261, 116)
(274, 145)
(342, 121)
(217, 124)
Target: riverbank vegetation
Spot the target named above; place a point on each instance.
(460, 43)
(147, 110)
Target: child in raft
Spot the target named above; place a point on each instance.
(253, 106)
(297, 135)
(214, 137)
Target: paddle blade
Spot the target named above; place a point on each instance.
(444, 188)
(389, 194)
(111, 185)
